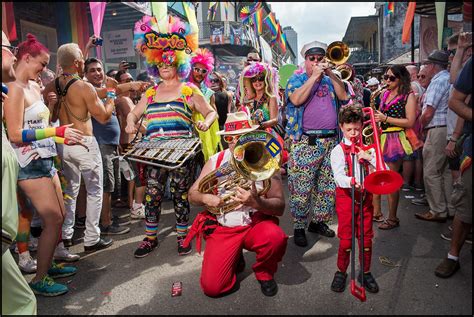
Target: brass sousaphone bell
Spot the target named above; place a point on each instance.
(337, 53)
(256, 157)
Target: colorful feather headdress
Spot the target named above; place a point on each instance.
(206, 58)
(172, 46)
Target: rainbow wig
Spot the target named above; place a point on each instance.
(172, 46)
(271, 79)
(204, 56)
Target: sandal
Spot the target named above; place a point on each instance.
(378, 218)
(389, 224)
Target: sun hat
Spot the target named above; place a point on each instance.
(237, 123)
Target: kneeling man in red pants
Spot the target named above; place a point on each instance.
(253, 225)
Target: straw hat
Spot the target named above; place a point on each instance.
(237, 123)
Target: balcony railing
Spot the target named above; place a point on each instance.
(363, 56)
(247, 36)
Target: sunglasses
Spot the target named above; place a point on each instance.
(258, 78)
(387, 77)
(312, 58)
(161, 65)
(200, 70)
(12, 49)
(451, 52)
(230, 138)
(215, 81)
(421, 76)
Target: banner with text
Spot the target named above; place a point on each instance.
(118, 44)
(235, 33)
(230, 67)
(217, 33)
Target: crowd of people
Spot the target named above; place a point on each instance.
(64, 135)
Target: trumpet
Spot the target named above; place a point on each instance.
(383, 181)
(256, 157)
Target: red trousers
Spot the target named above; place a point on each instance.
(224, 245)
(344, 229)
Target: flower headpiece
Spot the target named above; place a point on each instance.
(206, 58)
(271, 78)
(172, 46)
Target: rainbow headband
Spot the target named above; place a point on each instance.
(166, 41)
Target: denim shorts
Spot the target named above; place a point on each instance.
(39, 168)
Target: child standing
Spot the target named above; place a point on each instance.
(351, 122)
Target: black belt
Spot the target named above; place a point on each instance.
(436, 126)
(321, 134)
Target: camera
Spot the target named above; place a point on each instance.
(98, 41)
(132, 65)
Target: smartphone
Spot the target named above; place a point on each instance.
(98, 41)
(4, 89)
(132, 65)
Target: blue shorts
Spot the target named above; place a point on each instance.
(39, 168)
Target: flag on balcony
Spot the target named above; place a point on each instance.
(191, 15)
(257, 20)
(408, 21)
(226, 10)
(283, 42)
(211, 13)
(389, 8)
(270, 22)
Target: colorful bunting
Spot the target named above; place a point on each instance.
(257, 19)
(270, 22)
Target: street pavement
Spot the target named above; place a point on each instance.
(113, 281)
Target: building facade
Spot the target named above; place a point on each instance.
(292, 38)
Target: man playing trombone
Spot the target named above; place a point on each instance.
(251, 225)
(312, 123)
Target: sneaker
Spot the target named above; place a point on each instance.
(33, 244)
(59, 270)
(120, 221)
(369, 282)
(300, 238)
(420, 201)
(447, 268)
(182, 250)
(123, 216)
(48, 287)
(469, 238)
(68, 243)
(80, 223)
(321, 228)
(339, 282)
(63, 254)
(103, 243)
(26, 263)
(145, 247)
(419, 188)
(407, 188)
(138, 213)
(447, 235)
(113, 229)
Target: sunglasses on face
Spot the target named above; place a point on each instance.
(215, 80)
(421, 76)
(312, 58)
(200, 70)
(231, 138)
(161, 65)
(389, 77)
(12, 49)
(257, 78)
(451, 52)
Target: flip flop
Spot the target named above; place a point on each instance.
(389, 224)
(378, 218)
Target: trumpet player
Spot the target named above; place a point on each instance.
(252, 225)
(312, 123)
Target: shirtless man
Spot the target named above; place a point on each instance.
(77, 106)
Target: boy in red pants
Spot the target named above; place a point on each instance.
(350, 122)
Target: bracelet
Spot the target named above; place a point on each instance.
(451, 139)
(386, 118)
(111, 95)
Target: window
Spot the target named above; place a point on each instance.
(46, 35)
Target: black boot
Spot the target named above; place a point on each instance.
(300, 238)
(339, 282)
(322, 229)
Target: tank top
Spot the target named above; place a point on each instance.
(35, 116)
(168, 120)
(261, 111)
(222, 101)
(394, 109)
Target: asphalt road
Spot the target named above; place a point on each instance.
(112, 281)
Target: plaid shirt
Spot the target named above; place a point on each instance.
(436, 96)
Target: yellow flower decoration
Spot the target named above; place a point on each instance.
(150, 92)
(187, 91)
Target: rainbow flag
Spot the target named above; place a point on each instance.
(389, 8)
(283, 42)
(270, 22)
(212, 10)
(257, 19)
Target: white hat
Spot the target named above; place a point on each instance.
(372, 81)
(314, 47)
(237, 123)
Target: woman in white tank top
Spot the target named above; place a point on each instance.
(26, 118)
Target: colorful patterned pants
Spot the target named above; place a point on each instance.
(311, 182)
(180, 182)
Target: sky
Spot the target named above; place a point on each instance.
(321, 21)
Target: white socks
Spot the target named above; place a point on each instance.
(452, 257)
